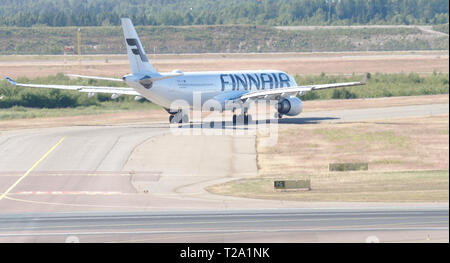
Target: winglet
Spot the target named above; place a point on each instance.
(364, 79)
(12, 82)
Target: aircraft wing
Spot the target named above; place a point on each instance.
(88, 89)
(93, 77)
(292, 91)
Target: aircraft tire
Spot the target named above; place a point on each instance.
(240, 119)
(185, 118)
(247, 119)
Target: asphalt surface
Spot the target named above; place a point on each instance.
(53, 179)
(355, 115)
(420, 224)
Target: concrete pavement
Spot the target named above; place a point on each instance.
(421, 224)
(143, 167)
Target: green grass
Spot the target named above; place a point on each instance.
(19, 102)
(405, 186)
(378, 85)
(441, 28)
(19, 112)
(53, 98)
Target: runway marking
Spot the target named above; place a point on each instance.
(173, 237)
(76, 205)
(68, 193)
(210, 231)
(32, 168)
(43, 174)
(158, 216)
(412, 224)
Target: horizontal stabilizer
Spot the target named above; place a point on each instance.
(160, 77)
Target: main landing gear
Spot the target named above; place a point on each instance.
(243, 118)
(179, 117)
(278, 115)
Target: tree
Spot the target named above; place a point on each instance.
(179, 12)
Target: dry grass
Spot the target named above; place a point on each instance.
(293, 63)
(410, 186)
(408, 144)
(408, 162)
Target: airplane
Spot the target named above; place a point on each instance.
(235, 88)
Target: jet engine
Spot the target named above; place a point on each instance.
(290, 106)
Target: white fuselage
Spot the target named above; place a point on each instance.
(215, 85)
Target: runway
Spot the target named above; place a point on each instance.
(140, 182)
(283, 225)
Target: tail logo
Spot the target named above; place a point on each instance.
(137, 50)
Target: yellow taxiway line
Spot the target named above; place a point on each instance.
(31, 169)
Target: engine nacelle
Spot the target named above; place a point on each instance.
(290, 106)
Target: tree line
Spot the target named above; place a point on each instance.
(59, 13)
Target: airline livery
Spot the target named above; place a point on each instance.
(235, 88)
